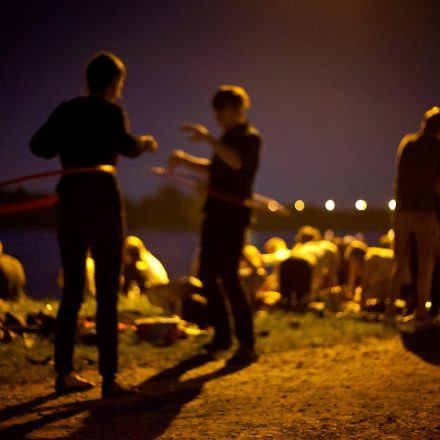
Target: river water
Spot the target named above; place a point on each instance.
(38, 252)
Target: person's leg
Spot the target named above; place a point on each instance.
(403, 229)
(239, 301)
(435, 288)
(106, 247)
(426, 235)
(73, 247)
(208, 274)
(424, 279)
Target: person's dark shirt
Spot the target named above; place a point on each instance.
(228, 188)
(418, 167)
(86, 132)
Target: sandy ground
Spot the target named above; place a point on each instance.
(372, 390)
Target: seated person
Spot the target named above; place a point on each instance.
(12, 277)
(372, 266)
(141, 267)
(323, 256)
(251, 270)
(295, 281)
(276, 252)
(307, 233)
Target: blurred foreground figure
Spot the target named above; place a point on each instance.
(231, 176)
(90, 131)
(12, 277)
(416, 186)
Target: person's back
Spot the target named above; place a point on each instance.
(378, 263)
(88, 134)
(415, 221)
(418, 169)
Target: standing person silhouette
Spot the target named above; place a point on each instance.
(417, 186)
(231, 174)
(90, 131)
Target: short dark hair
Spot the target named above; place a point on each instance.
(431, 121)
(356, 249)
(103, 69)
(230, 96)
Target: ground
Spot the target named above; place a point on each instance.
(314, 382)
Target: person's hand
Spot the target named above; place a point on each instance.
(198, 132)
(150, 143)
(175, 159)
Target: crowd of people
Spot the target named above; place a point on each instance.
(88, 133)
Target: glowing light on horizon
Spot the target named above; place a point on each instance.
(361, 205)
(428, 304)
(392, 204)
(330, 205)
(299, 205)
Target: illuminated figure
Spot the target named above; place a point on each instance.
(90, 131)
(12, 277)
(373, 266)
(141, 267)
(231, 173)
(415, 220)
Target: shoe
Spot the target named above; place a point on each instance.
(423, 323)
(243, 356)
(72, 383)
(216, 346)
(114, 390)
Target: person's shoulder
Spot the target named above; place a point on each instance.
(409, 139)
(251, 131)
(252, 136)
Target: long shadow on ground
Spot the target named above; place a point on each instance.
(145, 416)
(426, 345)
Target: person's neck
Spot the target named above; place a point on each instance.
(434, 135)
(105, 95)
(236, 123)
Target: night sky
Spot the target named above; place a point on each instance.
(334, 84)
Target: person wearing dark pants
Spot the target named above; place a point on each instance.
(88, 134)
(222, 244)
(231, 174)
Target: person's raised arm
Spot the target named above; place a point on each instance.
(230, 157)
(198, 164)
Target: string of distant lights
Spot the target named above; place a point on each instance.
(330, 205)
(258, 201)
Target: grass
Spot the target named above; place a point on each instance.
(276, 331)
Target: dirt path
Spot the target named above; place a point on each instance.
(373, 390)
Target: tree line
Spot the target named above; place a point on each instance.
(171, 209)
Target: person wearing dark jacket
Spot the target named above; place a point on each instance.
(416, 224)
(88, 133)
(231, 172)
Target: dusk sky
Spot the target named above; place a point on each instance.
(334, 84)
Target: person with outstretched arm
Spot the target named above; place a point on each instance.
(231, 172)
(90, 132)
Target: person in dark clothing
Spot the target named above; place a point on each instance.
(231, 174)
(415, 220)
(90, 132)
